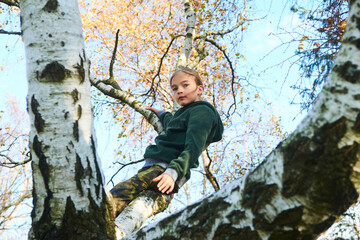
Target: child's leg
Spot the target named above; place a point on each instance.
(126, 191)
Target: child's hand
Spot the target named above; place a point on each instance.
(166, 183)
(155, 110)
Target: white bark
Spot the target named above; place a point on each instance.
(128, 99)
(138, 211)
(304, 184)
(190, 34)
(68, 184)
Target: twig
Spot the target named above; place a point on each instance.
(123, 166)
(11, 3)
(232, 73)
(237, 25)
(9, 33)
(207, 163)
(160, 65)
(111, 73)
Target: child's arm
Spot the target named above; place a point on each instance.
(166, 183)
(163, 115)
(199, 125)
(155, 110)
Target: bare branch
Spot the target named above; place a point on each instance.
(12, 163)
(240, 22)
(11, 3)
(111, 73)
(9, 33)
(161, 62)
(232, 73)
(123, 165)
(207, 163)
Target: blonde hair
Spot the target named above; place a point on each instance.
(191, 72)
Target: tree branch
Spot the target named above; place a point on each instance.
(207, 163)
(111, 73)
(160, 65)
(241, 20)
(232, 73)
(9, 33)
(11, 3)
(123, 165)
(128, 99)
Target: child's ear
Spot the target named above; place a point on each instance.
(200, 89)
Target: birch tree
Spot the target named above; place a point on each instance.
(298, 192)
(68, 192)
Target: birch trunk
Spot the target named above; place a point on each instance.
(68, 195)
(304, 185)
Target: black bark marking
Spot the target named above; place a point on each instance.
(39, 121)
(356, 20)
(54, 72)
(80, 69)
(257, 195)
(43, 227)
(317, 168)
(79, 174)
(85, 224)
(348, 71)
(322, 226)
(339, 90)
(51, 6)
(289, 217)
(66, 115)
(89, 168)
(79, 111)
(357, 123)
(227, 231)
(285, 235)
(200, 222)
(353, 40)
(76, 130)
(357, 97)
(98, 172)
(75, 95)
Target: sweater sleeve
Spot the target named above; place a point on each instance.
(199, 125)
(165, 118)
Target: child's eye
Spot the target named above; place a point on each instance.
(186, 85)
(174, 89)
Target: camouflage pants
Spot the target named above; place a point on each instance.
(125, 192)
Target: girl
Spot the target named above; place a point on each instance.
(187, 133)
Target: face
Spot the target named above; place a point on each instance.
(185, 89)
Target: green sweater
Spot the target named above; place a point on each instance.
(187, 133)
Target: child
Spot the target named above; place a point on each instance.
(187, 133)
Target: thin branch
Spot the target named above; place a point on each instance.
(160, 65)
(9, 33)
(237, 25)
(11, 3)
(232, 73)
(123, 165)
(207, 163)
(111, 73)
